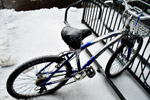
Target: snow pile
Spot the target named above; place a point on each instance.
(7, 35)
(16, 27)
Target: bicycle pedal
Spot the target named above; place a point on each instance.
(90, 72)
(80, 75)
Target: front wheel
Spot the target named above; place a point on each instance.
(27, 80)
(123, 57)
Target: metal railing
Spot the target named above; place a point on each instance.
(109, 19)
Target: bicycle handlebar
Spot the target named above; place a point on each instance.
(132, 11)
(145, 17)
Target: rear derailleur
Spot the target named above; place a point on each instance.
(41, 88)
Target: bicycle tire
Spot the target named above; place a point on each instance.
(120, 57)
(24, 89)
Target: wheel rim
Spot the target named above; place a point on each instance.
(28, 84)
(116, 67)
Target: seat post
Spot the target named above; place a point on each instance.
(78, 59)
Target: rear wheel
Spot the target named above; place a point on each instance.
(123, 57)
(26, 81)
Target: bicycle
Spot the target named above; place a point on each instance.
(45, 75)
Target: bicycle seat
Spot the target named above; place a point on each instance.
(73, 37)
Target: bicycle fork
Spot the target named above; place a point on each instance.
(130, 45)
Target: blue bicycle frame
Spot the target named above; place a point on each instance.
(69, 55)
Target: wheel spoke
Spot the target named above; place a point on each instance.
(25, 82)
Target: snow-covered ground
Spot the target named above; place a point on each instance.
(28, 34)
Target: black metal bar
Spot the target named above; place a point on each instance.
(142, 55)
(104, 21)
(107, 20)
(94, 17)
(95, 24)
(145, 64)
(107, 23)
(111, 22)
(100, 70)
(100, 23)
(84, 12)
(147, 76)
(88, 12)
(147, 89)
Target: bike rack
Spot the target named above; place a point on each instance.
(140, 71)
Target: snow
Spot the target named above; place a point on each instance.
(28, 34)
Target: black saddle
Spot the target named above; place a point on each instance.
(73, 37)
